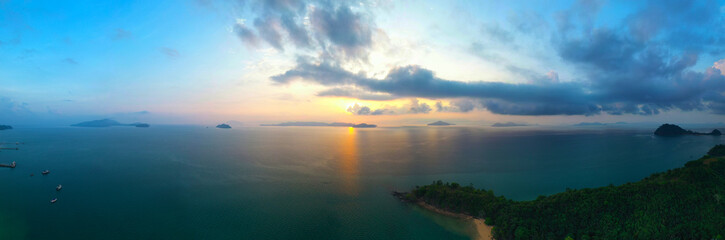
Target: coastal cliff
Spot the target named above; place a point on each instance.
(682, 203)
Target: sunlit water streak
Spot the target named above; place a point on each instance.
(189, 182)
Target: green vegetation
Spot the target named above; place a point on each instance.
(717, 151)
(683, 203)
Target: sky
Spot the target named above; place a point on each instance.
(384, 62)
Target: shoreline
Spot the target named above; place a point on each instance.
(484, 231)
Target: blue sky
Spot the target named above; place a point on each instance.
(390, 62)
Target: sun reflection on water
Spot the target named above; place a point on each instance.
(349, 162)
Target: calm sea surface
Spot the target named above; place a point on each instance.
(190, 182)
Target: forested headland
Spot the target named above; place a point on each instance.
(682, 203)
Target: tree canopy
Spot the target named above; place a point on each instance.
(683, 203)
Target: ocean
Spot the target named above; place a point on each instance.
(193, 182)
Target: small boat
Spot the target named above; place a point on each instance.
(45, 172)
(53, 200)
(59, 187)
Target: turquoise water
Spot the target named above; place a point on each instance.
(190, 182)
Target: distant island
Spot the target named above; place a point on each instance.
(108, 123)
(364, 125)
(593, 124)
(509, 124)
(671, 130)
(310, 124)
(440, 123)
(5, 127)
(682, 203)
(582, 124)
(223, 125)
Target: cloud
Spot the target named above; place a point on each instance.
(676, 90)
(485, 53)
(720, 65)
(246, 34)
(12, 110)
(509, 124)
(584, 124)
(495, 32)
(169, 52)
(144, 112)
(355, 93)
(414, 107)
(27, 54)
(645, 68)
(269, 30)
(296, 31)
(331, 27)
(70, 61)
(534, 77)
(674, 18)
(458, 105)
(635, 67)
(414, 81)
(347, 30)
(120, 34)
(417, 107)
(358, 109)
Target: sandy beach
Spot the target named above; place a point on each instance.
(483, 230)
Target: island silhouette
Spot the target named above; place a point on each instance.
(108, 123)
(440, 123)
(672, 130)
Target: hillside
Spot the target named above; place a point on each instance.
(682, 203)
